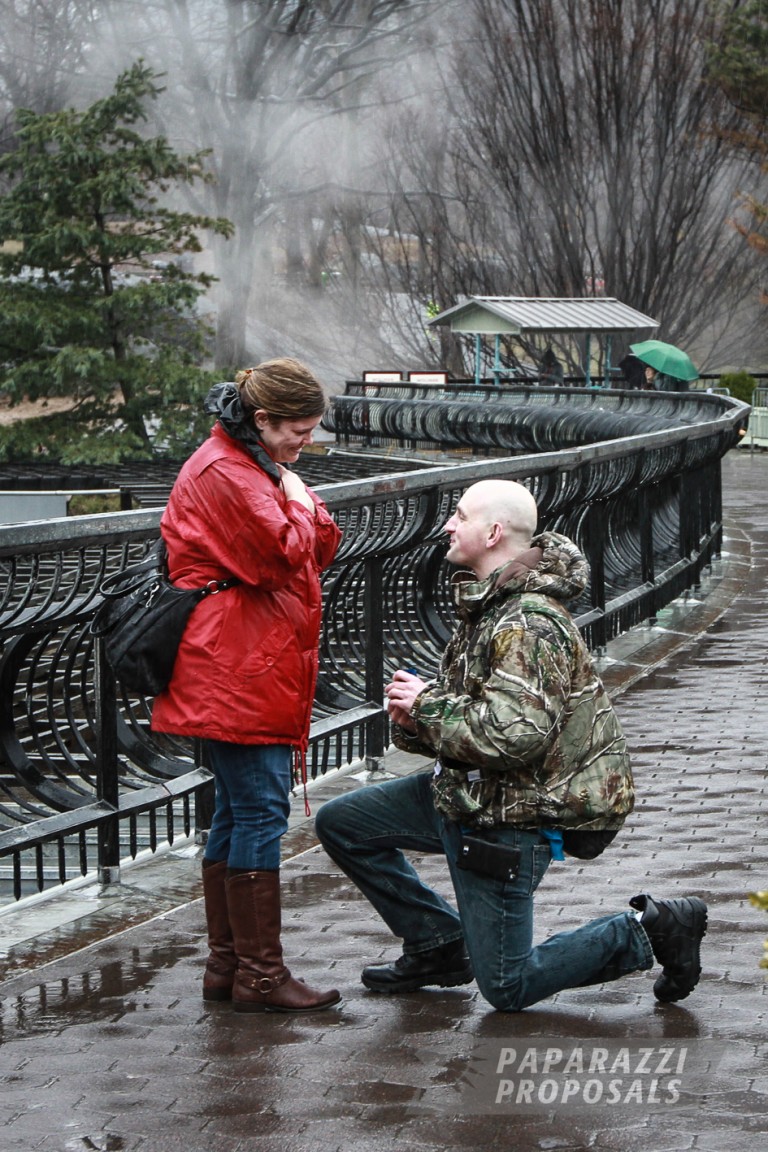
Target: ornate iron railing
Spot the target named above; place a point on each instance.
(84, 784)
(468, 416)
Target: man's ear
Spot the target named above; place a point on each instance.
(495, 533)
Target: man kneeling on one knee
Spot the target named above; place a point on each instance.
(530, 757)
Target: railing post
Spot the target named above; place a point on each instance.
(205, 799)
(715, 489)
(107, 779)
(373, 601)
(690, 519)
(685, 497)
(595, 523)
(647, 558)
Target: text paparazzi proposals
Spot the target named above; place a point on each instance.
(528, 1075)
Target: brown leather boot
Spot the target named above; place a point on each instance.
(222, 961)
(262, 981)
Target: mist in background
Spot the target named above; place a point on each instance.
(379, 160)
(292, 101)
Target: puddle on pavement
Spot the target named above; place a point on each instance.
(314, 885)
(99, 993)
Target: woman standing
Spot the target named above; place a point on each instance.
(245, 674)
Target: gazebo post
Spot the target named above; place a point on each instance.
(478, 354)
(607, 364)
(587, 359)
(497, 360)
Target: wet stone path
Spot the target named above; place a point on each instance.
(109, 1047)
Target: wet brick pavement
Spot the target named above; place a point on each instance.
(106, 1045)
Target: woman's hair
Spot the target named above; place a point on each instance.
(285, 389)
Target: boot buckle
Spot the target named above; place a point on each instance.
(264, 985)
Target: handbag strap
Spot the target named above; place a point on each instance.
(214, 586)
(127, 580)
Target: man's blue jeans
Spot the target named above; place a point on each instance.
(364, 832)
(253, 785)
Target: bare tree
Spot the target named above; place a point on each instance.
(43, 44)
(419, 251)
(280, 91)
(738, 64)
(580, 146)
(382, 159)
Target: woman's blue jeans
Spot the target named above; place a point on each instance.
(253, 785)
(365, 832)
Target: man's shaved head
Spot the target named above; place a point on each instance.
(508, 501)
(493, 522)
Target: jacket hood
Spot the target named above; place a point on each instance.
(223, 401)
(563, 572)
(553, 566)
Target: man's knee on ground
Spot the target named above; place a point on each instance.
(503, 997)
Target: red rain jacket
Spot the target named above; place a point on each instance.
(247, 666)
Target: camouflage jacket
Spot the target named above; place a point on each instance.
(518, 718)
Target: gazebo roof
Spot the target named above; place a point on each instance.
(516, 315)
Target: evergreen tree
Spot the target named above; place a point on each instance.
(739, 60)
(97, 302)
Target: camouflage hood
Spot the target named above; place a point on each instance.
(553, 566)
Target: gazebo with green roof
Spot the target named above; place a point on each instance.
(497, 316)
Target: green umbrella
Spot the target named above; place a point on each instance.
(666, 358)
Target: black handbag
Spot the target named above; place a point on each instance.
(142, 620)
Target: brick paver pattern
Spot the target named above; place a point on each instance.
(111, 1048)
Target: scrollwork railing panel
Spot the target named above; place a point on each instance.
(613, 496)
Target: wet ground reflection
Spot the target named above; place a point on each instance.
(105, 992)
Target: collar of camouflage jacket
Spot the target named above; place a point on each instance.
(552, 566)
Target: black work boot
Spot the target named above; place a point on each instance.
(675, 929)
(444, 967)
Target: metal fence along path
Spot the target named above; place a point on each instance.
(84, 784)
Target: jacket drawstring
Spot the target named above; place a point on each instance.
(300, 775)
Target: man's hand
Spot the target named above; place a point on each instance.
(401, 718)
(401, 696)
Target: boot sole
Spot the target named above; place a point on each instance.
(448, 980)
(246, 1006)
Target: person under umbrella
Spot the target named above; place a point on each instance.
(667, 368)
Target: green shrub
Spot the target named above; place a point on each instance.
(760, 900)
(740, 385)
(82, 505)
